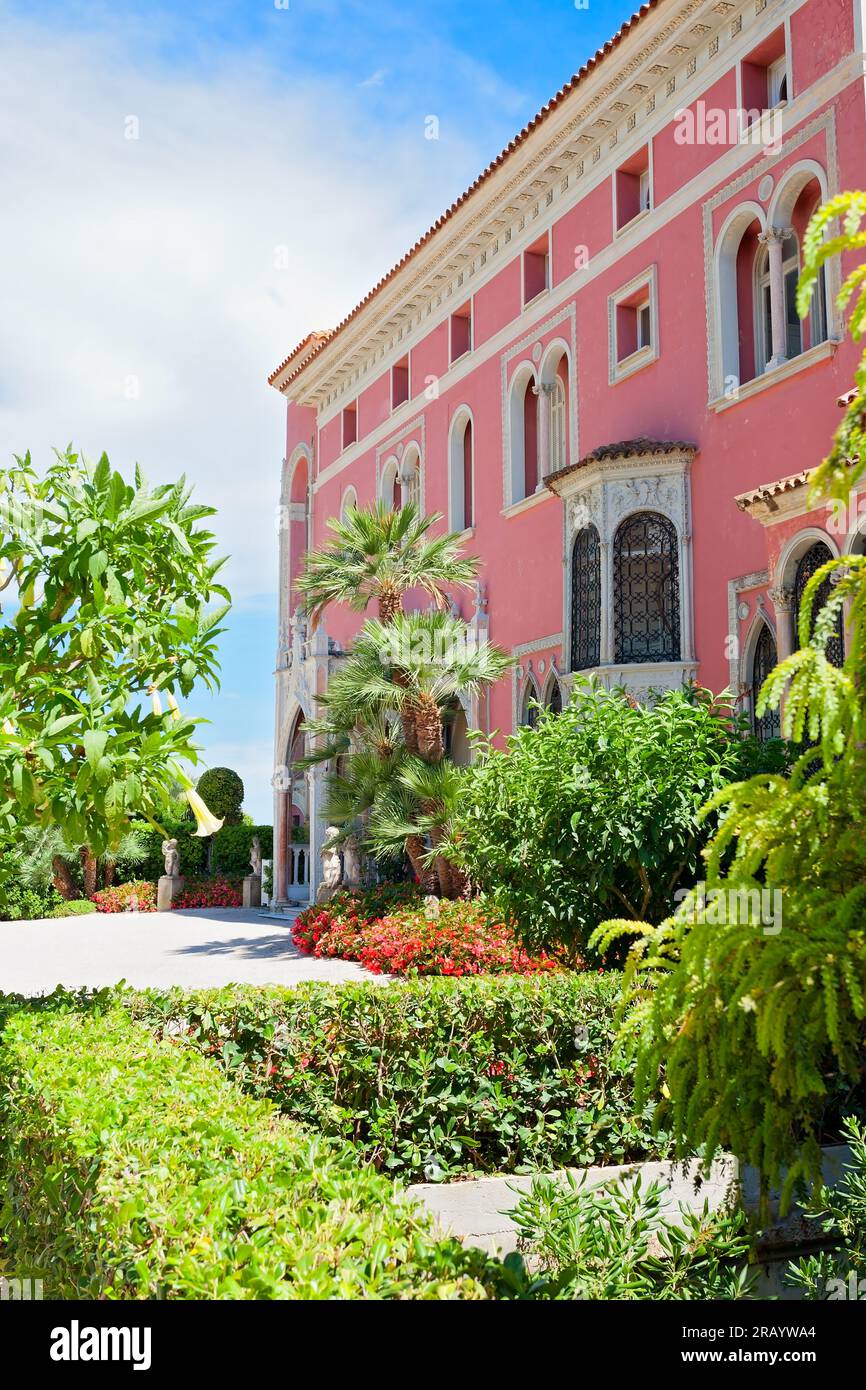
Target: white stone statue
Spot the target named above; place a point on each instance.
(331, 867)
(172, 858)
(351, 863)
(256, 857)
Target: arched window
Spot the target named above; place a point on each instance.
(529, 705)
(350, 501)
(646, 590)
(523, 431)
(764, 320)
(390, 484)
(763, 660)
(412, 491)
(585, 600)
(816, 556)
(553, 696)
(461, 479)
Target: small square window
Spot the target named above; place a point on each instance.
(350, 424)
(460, 329)
(536, 270)
(399, 383)
(633, 188)
(633, 326)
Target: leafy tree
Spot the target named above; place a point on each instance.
(593, 810)
(412, 667)
(754, 1032)
(113, 584)
(223, 790)
(378, 555)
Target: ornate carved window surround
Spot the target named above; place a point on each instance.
(603, 489)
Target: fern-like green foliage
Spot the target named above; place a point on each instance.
(747, 1008)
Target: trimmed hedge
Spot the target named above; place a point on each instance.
(432, 1077)
(76, 907)
(231, 851)
(134, 1170)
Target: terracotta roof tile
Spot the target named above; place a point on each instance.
(589, 66)
(767, 491)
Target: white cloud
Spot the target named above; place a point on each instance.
(143, 300)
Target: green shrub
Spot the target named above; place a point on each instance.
(223, 791)
(431, 1077)
(192, 852)
(232, 844)
(620, 1242)
(18, 903)
(134, 1170)
(840, 1211)
(594, 812)
(77, 907)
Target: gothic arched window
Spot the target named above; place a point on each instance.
(816, 556)
(763, 661)
(585, 600)
(646, 590)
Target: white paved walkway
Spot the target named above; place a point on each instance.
(194, 949)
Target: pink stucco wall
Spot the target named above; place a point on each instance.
(778, 431)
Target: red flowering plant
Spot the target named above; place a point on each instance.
(136, 896)
(458, 938)
(211, 892)
(335, 928)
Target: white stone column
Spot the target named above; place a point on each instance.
(782, 600)
(774, 239)
(544, 391)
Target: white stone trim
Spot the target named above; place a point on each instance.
(850, 70)
(758, 579)
(605, 493)
(507, 222)
(567, 315)
(719, 357)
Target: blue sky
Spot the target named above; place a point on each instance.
(145, 300)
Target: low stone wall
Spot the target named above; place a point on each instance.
(476, 1211)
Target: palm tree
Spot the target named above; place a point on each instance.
(436, 662)
(378, 554)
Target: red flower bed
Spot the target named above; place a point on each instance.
(211, 892)
(461, 940)
(126, 897)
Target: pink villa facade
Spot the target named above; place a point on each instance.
(591, 366)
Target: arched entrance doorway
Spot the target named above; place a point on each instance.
(292, 849)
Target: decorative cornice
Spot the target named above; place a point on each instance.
(524, 203)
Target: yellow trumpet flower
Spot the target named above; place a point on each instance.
(8, 726)
(173, 705)
(207, 822)
(155, 701)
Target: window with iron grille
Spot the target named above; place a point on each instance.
(646, 590)
(815, 557)
(586, 600)
(763, 661)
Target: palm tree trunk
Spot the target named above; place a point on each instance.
(62, 878)
(88, 865)
(417, 850)
(390, 603)
(428, 724)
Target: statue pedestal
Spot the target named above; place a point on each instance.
(252, 891)
(169, 887)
